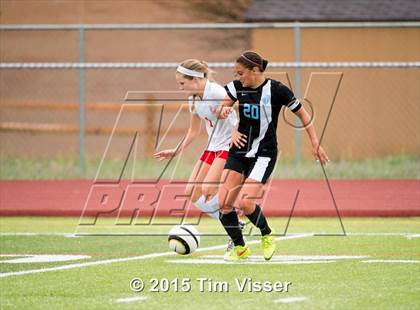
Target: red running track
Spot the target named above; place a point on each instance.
(68, 198)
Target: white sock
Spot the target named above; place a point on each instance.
(210, 207)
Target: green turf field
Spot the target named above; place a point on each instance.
(376, 266)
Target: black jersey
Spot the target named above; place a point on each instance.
(259, 111)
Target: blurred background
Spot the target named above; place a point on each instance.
(67, 65)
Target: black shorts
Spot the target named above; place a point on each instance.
(256, 168)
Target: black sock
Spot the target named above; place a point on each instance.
(258, 219)
(230, 222)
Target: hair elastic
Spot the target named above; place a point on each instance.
(253, 62)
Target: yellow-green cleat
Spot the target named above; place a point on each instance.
(238, 253)
(268, 244)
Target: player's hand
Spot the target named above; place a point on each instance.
(238, 139)
(164, 154)
(223, 112)
(319, 154)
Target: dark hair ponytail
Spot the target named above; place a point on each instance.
(251, 59)
(264, 64)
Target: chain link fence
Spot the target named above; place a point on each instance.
(62, 90)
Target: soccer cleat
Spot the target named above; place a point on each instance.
(230, 244)
(229, 248)
(268, 244)
(238, 253)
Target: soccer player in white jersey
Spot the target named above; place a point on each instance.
(194, 77)
(253, 154)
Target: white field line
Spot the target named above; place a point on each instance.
(217, 247)
(41, 258)
(245, 262)
(81, 265)
(380, 234)
(280, 259)
(34, 234)
(298, 257)
(126, 259)
(289, 300)
(408, 235)
(406, 261)
(131, 299)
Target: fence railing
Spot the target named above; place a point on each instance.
(148, 130)
(82, 66)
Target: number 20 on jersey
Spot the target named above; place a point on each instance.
(251, 111)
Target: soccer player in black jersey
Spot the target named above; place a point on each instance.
(253, 153)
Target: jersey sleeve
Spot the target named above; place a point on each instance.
(294, 105)
(231, 91)
(218, 92)
(286, 97)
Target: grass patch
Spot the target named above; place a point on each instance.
(339, 284)
(392, 167)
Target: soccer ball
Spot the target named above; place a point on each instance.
(183, 239)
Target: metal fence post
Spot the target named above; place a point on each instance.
(82, 116)
(298, 92)
(150, 139)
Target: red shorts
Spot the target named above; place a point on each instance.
(209, 156)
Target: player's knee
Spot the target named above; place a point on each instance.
(246, 205)
(208, 190)
(223, 207)
(195, 195)
(192, 192)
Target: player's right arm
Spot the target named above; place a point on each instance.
(192, 133)
(225, 108)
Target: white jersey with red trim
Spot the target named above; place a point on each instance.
(219, 131)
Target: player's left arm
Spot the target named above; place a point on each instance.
(317, 150)
(224, 108)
